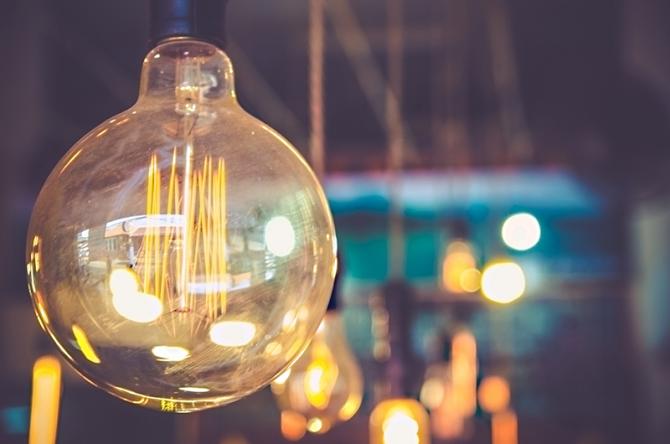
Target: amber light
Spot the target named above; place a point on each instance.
(45, 401)
(399, 421)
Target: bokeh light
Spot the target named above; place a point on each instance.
(459, 272)
(503, 282)
(494, 394)
(521, 231)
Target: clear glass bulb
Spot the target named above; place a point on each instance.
(182, 253)
(325, 385)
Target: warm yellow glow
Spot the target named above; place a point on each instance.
(84, 345)
(399, 421)
(521, 231)
(45, 401)
(470, 280)
(447, 420)
(400, 428)
(128, 301)
(503, 282)
(504, 428)
(283, 377)
(464, 373)
(273, 348)
(289, 321)
(170, 353)
(350, 407)
(232, 333)
(494, 394)
(458, 259)
(293, 425)
(279, 236)
(314, 425)
(321, 376)
(194, 389)
(200, 200)
(432, 392)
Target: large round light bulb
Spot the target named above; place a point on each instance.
(325, 385)
(174, 239)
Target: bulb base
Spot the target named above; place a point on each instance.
(200, 19)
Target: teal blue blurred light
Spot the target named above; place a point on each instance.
(15, 420)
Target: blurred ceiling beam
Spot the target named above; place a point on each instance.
(360, 54)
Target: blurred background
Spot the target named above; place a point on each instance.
(529, 212)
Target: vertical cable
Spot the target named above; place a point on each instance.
(316, 99)
(506, 79)
(395, 132)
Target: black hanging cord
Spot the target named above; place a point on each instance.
(334, 295)
(200, 19)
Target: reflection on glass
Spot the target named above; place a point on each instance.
(279, 236)
(170, 353)
(129, 302)
(84, 345)
(194, 389)
(232, 333)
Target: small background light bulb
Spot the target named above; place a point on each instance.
(521, 231)
(325, 385)
(399, 421)
(494, 394)
(503, 282)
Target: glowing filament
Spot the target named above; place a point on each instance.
(199, 241)
(321, 376)
(400, 428)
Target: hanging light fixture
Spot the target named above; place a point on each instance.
(169, 246)
(325, 385)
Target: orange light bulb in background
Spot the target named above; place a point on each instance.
(399, 421)
(325, 385)
(494, 394)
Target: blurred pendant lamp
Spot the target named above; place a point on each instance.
(397, 419)
(325, 386)
(182, 253)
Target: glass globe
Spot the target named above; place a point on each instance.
(325, 385)
(181, 254)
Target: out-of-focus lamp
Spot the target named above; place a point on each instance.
(45, 401)
(503, 282)
(521, 231)
(494, 394)
(325, 385)
(399, 421)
